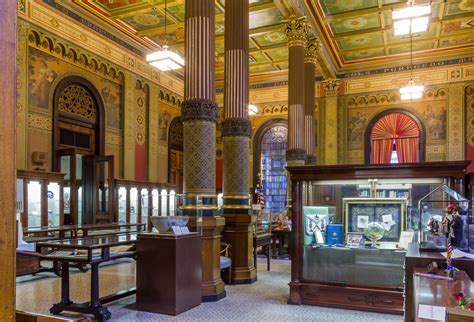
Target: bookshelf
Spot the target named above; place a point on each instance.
(274, 145)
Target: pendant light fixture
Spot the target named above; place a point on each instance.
(412, 19)
(411, 91)
(165, 59)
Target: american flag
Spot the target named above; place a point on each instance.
(449, 253)
(261, 199)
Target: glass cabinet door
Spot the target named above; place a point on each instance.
(164, 202)
(122, 202)
(155, 202)
(172, 203)
(133, 205)
(34, 204)
(54, 210)
(144, 205)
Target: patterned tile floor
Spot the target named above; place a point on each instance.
(264, 300)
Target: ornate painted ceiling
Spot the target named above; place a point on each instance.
(144, 20)
(358, 33)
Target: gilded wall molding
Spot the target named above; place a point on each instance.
(170, 98)
(113, 138)
(74, 55)
(455, 111)
(470, 115)
(22, 97)
(40, 122)
(331, 86)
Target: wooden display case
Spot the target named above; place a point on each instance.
(40, 198)
(310, 282)
(136, 201)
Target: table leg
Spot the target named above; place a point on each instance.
(274, 246)
(280, 245)
(100, 312)
(65, 300)
(268, 255)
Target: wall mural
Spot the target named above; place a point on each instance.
(44, 69)
(431, 112)
(164, 118)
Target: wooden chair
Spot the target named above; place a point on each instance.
(225, 261)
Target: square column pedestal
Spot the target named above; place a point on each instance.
(239, 231)
(168, 273)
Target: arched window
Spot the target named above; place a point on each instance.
(395, 138)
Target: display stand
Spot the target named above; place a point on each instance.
(169, 272)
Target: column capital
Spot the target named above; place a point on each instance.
(199, 110)
(331, 86)
(296, 30)
(236, 127)
(312, 49)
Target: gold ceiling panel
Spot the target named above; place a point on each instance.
(358, 33)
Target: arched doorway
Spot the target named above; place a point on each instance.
(270, 145)
(175, 154)
(394, 136)
(78, 151)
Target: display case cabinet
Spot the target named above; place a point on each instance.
(354, 275)
(139, 200)
(40, 198)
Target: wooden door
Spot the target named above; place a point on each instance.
(176, 169)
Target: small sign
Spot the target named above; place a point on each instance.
(256, 206)
(354, 239)
(431, 312)
(184, 230)
(176, 230)
(406, 237)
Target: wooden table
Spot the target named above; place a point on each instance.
(439, 292)
(88, 244)
(264, 240)
(416, 258)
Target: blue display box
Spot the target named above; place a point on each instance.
(334, 234)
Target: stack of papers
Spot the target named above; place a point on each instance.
(459, 254)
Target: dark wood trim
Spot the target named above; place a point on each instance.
(362, 298)
(57, 116)
(257, 143)
(368, 131)
(454, 169)
(174, 147)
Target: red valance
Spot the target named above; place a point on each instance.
(399, 129)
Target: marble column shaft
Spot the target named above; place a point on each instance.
(310, 59)
(236, 132)
(296, 31)
(236, 128)
(199, 116)
(199, 110)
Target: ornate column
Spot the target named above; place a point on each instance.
(8, 65)
(296, 30)
(199, 116)
(310, 60)
(236, 132)
(331, 87)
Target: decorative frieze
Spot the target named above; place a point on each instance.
(295, 154)
(236, 127)
(199, 110)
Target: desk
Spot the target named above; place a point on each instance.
(264, 240)
(439, 292)
(64, 252)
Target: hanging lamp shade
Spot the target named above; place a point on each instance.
(165, 59)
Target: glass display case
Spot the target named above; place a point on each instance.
(40, 198)
(182, 214)
(263, 222)
(137, 201)
(442, 212)
(348, 224)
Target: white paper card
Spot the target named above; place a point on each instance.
(387, 218)
(176, 230)
(406, 237)
(431, 312)
(256, 206)
(318, 236)
(184, 230)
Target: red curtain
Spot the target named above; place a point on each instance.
(401, 128)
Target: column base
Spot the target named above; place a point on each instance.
(239, 232)
(295, 295)
(212, 284)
